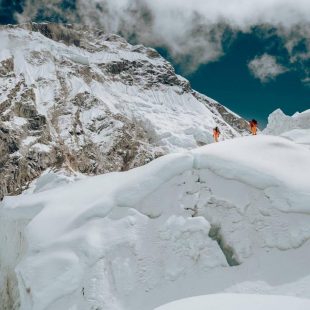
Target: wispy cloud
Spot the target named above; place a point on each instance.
(266, 68)
(194, 31)
(306, 81)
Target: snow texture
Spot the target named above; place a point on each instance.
(238, 302)
(170, 229)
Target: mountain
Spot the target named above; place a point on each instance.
(227, 217)
(58, 11)
(86, 101)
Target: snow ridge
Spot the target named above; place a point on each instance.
(133, 240)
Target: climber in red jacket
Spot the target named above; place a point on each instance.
(253, 127)
(216, 134)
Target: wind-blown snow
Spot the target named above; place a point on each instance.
(167, 230)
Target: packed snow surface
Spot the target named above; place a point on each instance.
(197, 222)
(238, 302)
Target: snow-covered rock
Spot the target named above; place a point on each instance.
(238, 302)
(90, 102)
(185, 224)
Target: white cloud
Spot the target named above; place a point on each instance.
(266, 68)
(306, 81)
(193, 30)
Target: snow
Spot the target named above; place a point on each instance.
(29, 140)
(238, 302)
(295, 128)
(16, 122)
(173, 119)
(42, 148)
(50, 179)
(279, 123)
(300, 136)
(228, 217)
(240, 153)
(299, 288)
(138, 239)
(19, 121)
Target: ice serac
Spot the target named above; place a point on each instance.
(295, 128)
(88, 101)
(171, 229)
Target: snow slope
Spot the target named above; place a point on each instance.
(192, 223)
(238, 302)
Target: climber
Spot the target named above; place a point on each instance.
(253, 127)
(216, 134)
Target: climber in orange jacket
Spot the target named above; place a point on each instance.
(216, 134)
(253, 127)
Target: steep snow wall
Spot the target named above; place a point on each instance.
(138, 239)
(12, 238)
(12, 249)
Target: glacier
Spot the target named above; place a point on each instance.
(226, 217)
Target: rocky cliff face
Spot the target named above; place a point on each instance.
(87, 101)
